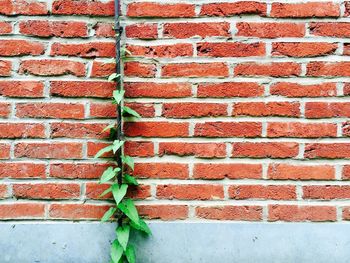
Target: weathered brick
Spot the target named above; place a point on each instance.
(300, 172)
(22, 130)
(22, 170)
(50, 110)
(301, 130)
(31, 89)
(156, 129)
(192, 110)
(230, 89)
(84, 50)
(190, 192)
(83, 7)
(22, 211)
(142, 31)
(289, 89)
(241, 213)
(77, 211)
(231, 49)
(163, 212)
(161, 170)
(195, 70)
(150, 9)
(303, 10)
(275, 69)
(10, 48)
(77, 170)
(162, 51)
(156, 90)
(188, 30)
(274, 192)
(233, 9)
(54, 150)
(97, 89)
(283, 109)
(202, 150)
(270, 30)
(228, 129)
(303, 49)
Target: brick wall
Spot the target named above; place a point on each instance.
(245, 109)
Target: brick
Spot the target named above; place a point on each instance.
(31, 89)
(228, 129)
(55, 150)
(275, 69)
(346, 213)
(98, 89)
(289, 89)
(151, 9)
(22, 170)
(265, 149)
(188, 30)
(293, 213)
(53, 28)
(231, 49)
(270, 30)
(240, 213)
(195, 70)
(5, 28)
(346, 128)
(46, 191)
(83, 7)
(156, 129)
(23, 7)
(94, 191)
(327, 110)
(202, 150)
(326, 192)
(103, 110)
(3, 191)
(102, 70)
(163, 212)
(327, 150)
(142, 31)
(303, 49)
(346, 89)
(78, 130)
(274, 192)
(18, 47)
(190, 110)
(161, 170)
(77, 211)
(104, 30)
(330, 29)
(22, 130)
(162, 51)
(5, 68)
(328, 69)
(301, 130)
(77, 170)
(50, 110)
(137, 69)
(300, 172)
(139, 148)
(259, 109)
(22, 211)
(4, 151)
(84, 50)
(232, 171)
(304, 10)
(157, 90)
(234, 9)
(5, 109)
(146, 110)
(230, 89)
(190, 192)
(48, 67)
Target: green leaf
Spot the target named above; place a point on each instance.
(108, 214)
(104, 150)
(141, 226)
(118, 95)
(113, 77)
(116, 145)
(110, 126)
(129, 111)
(129, 161)
(123, 233)
(108, 174)
(124, 50)
(128, 208)
(130, 179)
(116, 251)
(119, 192)
(106, 191)
(130, 254)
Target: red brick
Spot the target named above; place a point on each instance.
(289, 89)
(46, 191)
(50, 110)
(18, 47)
(77, 170)
(84, 50)
(102, 110)
(275, 69)
(104, 30)
(163, 212)
(161, 170)
(5, 27)
(156, 129)
(230, 89)
(195, 70)
(22, 170)
(259, 109)
(301, 130)
(23, 7)
(265, 149)
(94, 191)
(5, 68)
(228, 129)
(302, 10)
(5, 109)
(270, 30)
(54, 150)
(3, 191)
(293, 213)
(101, 69)
(346, 128)
(326, 192)
(190, 110)
(274, 192)
(97, 89)
(142, 31)
(327, 109)
(202, 150)
(330, 29)
(83, 7)
(346, 89)
(190, 192)
(327, 150)
(150, 9)
(48, 67)
(241, 213)
(77, 211)
(346, 213)
(157, 90)
(137, 69)
(22, 130)
(146, 110)
(4, 151)
(43, 28)
(328, 69)
(303, 49)
(162, 51)
(22, 211)
(139, 148)
(233, 9)
(232, 171)
(32, 89)
(78, 130)
(231, 49)
(297, 172)
(188, 30)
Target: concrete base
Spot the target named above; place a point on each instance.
(179, 242)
